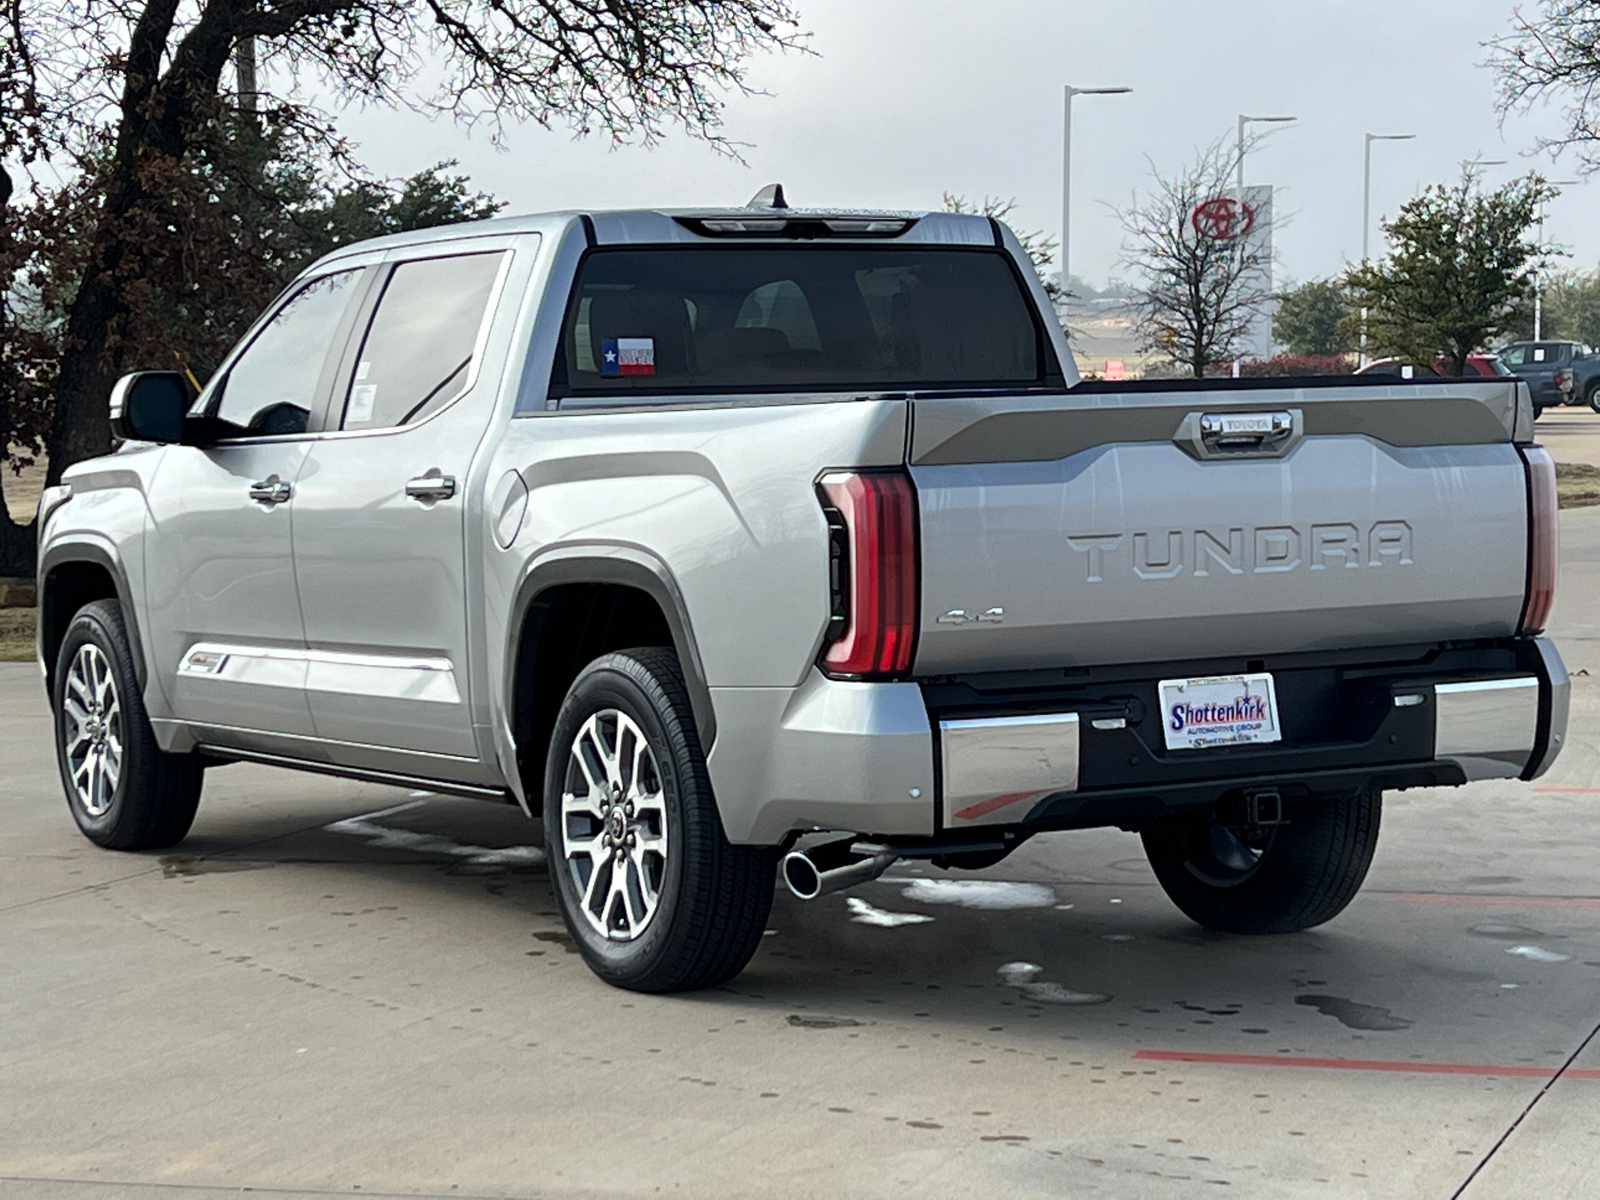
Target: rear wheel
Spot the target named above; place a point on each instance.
(1267, 879)
(655, 896)
(125, 792)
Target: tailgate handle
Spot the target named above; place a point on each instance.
(1244, 430)
(1221, 435)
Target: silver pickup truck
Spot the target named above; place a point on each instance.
(732, 541)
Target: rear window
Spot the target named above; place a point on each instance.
(797, 318)
(1529, 354)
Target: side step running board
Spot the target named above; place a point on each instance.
(366, 774)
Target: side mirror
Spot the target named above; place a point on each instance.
(149, 406)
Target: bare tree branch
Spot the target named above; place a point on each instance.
(1200, 293)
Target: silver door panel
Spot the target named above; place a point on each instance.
(219, 570)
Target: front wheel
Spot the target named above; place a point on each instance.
(1593, 396)
(1267, 879)
(655, 896)
(125, 792)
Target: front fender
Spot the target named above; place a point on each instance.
(102, 552)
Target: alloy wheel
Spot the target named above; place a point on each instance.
(92, 730)
(613, 829)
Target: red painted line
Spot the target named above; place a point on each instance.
(1494, 901)
(1363, 1064)
(1584, 790)
(985, 807)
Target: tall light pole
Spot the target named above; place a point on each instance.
(1538, 275)
(1366, 213)
(1066, 179)
(1366, 186)
(1243, 121)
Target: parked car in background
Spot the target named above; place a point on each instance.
(1557, 372)
(1484, 365)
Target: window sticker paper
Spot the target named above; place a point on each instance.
(361, 401)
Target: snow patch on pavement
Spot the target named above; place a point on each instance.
(992, 894)
(1024, 976)
(1538, 954)
(863, 913)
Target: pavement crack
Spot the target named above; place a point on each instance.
(1521, 1116)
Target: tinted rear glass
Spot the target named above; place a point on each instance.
(798, 318)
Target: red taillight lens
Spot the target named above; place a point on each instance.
(1543, 539)
(872, 517)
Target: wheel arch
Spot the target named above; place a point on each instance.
(573, 606)
(71, 575)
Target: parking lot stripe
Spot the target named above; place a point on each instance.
(1362, 1064)
(1493, 901)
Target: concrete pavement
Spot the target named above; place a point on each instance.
(336, 988)
(1572, 435)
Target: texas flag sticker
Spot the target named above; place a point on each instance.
(628, 356)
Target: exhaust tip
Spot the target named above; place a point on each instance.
(802, 876)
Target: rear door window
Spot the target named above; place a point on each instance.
(418, 350)
(795, 318)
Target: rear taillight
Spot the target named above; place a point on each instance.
(872, 523)
(1563, 380)
(1543, 539)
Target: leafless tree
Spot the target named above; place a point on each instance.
(1202, 283)
(1555, 53)
(143, 84)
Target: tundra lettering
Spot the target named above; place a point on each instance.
(1273, 550)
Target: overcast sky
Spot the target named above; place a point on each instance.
(905, 99)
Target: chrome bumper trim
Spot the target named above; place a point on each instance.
(1488, 726)
(993, 770)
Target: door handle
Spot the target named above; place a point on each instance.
(271, 490)
(432, 486)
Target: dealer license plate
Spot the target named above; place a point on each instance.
(1220, 710)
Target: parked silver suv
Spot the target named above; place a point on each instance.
(699, 533)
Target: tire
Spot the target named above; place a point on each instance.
(1280, 879)
(1593, 396)
(689, 907)
(124, 791)
(1538, 411)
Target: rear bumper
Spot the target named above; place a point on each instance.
(932, 760)
(1492, 713)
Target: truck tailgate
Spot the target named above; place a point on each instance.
(1107, 528)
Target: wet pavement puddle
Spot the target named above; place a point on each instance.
(384, 837)
(1355, 1015)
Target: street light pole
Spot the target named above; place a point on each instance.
(1366, 213)
(1066, 178)
(1243, 121)
(1538, 275)
(1366, 186)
